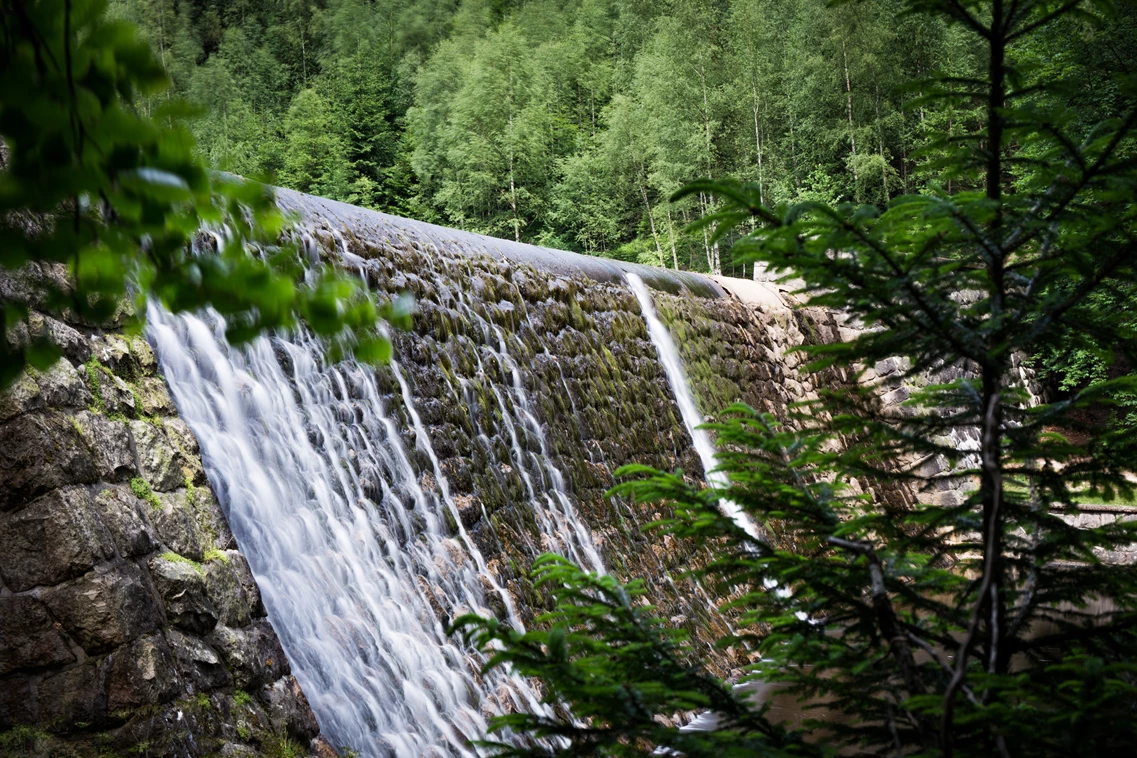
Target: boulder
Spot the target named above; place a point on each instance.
(60, 386)
(159, 461)
(114, 392)
(238, 563)
(125, 517)
(73, 343)
(178, 432)
(113, 351)
(153, 398)
(143, 354)
(57, 537)
(103, 610)
(29, 638)
(211, 522)
(141, 673)
(181, 586)
(39, 452)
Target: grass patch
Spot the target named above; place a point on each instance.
(175, 558)
(202, 700)
(98, 405)
(213, 554)
(141, 489)
(282, 747)
(242, 698)
(1086, 498)
(21, 738)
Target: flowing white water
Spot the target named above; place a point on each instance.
(357, 568)
(692, 418)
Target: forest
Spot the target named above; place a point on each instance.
(916, 520)
(571, 124)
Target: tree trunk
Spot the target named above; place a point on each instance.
(671, 238)
(849, 109)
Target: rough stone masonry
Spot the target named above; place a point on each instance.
(129, 620)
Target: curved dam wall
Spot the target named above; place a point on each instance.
(307, 529)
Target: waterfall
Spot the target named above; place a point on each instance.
(377, 504)
(685, 399)
(357, 566)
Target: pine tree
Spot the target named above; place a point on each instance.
(980, 625)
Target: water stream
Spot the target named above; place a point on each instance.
(335, 492)
(685, 399)
(356, 565)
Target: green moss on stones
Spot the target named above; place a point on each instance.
(213, 554)
(175, 558)
(141, 489)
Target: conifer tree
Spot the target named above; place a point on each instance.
(986, 625)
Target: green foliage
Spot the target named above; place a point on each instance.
(92, 184)
(22, 740)
(283, 747)
(616, 666)
(141, 489)
(241, 698)
(176, 558)
(985, 623)
(213, 554)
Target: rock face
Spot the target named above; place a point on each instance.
(129, 621)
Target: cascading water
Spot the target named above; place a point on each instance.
(357, 568)
(692, 419)
(375, 505)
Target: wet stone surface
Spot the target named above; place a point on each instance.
(116, 566)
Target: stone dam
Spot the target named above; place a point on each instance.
(210, 551)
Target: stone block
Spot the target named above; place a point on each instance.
(176, 524)
(57, 537)
(226, 591)
(141, 673)
(73, 696)
(17, 702)
(60, 386)
(254, 655)
(125, 517)
(181, 586)
(109, 444)
(29, 638)
(288, 709)
(103, 610)
(39, 452)
(158, 460)
(198, 663)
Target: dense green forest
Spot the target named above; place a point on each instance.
(571, 124)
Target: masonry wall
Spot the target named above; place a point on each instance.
(129, 620)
